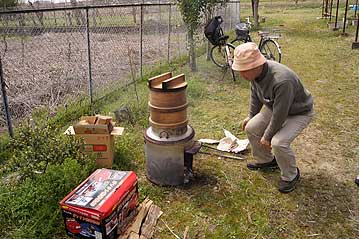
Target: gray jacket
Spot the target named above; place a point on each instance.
(281, 90)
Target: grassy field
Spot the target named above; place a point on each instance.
(226, 200)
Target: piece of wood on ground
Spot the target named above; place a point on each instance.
(185, 232)
(135, 225)
(148, 226)
(134, 235)
(124, 231)
(145, 207)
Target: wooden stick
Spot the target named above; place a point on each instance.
(133, 74)
(222, 155)
(178, 237)
(185, 232)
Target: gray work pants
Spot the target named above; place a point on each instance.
(280, 142)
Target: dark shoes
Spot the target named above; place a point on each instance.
(288, 186)
(357, 181)
(270, 165)
(284, 186)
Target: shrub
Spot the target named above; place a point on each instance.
(35, 148)
(30, 209)
(44, 166)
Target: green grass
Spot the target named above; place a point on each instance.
(228, 201)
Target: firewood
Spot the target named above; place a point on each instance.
(148, 226)
(134, 235)
(185, 232)
(145, 206)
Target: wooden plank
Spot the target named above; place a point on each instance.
(134, 235)
(174, 82)
(185, 234)
(155, 82)
(124, 232)
(148, 226)
(145, 206)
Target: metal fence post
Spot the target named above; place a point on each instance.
(331, 11)
(141, 43)
(5, 101)
(89, 56)
(345, 16)
(169, 34)
(355, 44)
(336, 17)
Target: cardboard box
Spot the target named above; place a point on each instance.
(94, 125)
(102, 119)
(102, 146)
(101, 205)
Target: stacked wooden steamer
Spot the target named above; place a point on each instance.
(169, 136)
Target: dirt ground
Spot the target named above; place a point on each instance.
(47, 69)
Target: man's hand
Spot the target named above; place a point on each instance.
(265, 144)
(244, 123)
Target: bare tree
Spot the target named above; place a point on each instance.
(39, 15)
(255, 12)
(80, 19)
(134, 11)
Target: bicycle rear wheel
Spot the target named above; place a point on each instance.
(219, 56)
(271, 50)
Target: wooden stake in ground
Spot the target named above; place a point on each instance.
(133, 71)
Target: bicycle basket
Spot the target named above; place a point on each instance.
(241, 30)
(213, 30)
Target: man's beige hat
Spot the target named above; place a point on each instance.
(247, 56)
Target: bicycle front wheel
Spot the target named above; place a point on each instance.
(271, 50)
(219, 55)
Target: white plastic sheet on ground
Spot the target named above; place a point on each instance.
(229, 143)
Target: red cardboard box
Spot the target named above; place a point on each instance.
(101, 205)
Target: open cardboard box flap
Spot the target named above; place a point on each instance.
(98, 124)
(117, 131)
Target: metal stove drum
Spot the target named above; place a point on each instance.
(169, 141)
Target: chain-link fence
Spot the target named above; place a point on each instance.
(49, 56)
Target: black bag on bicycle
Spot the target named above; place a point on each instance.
(213, 30)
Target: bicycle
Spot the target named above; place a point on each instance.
(268, 46)
(222, 52)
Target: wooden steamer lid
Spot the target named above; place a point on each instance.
(168, 101)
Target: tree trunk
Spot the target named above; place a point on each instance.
(208, 57)
(255, 13)
(94, 16)
(80, 19)
(134, 11)
(252, 1)
(192, 54)
(208, 48)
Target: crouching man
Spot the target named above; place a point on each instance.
(280, 108)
